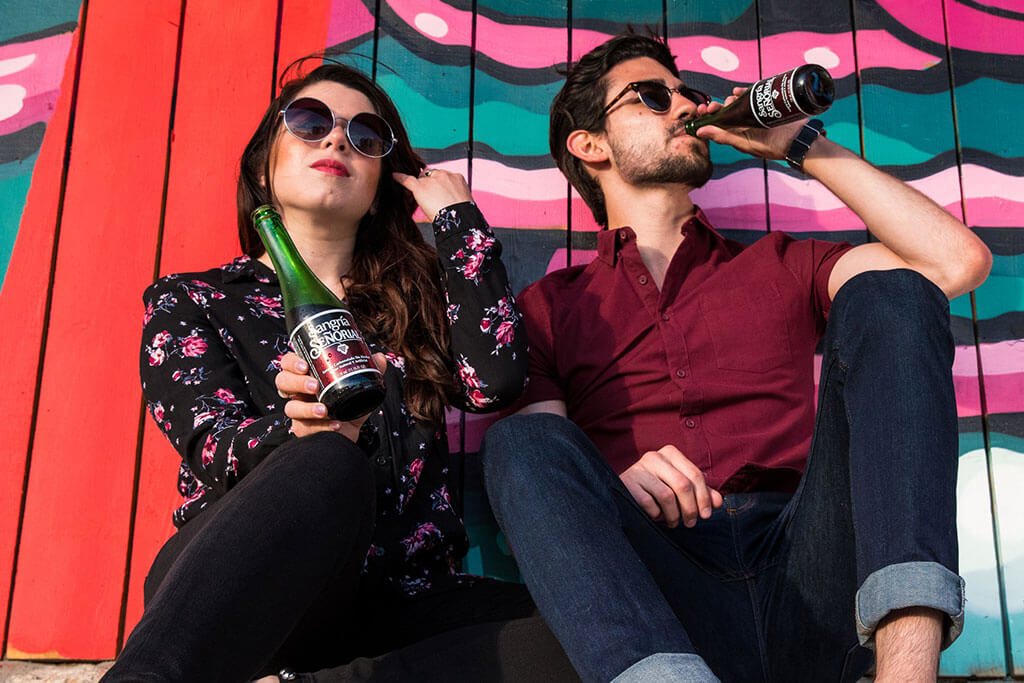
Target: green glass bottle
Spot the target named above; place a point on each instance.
(805, 91)
(321, 327)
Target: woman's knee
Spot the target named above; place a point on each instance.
(325, 467)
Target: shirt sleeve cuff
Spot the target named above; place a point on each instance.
(456, 219)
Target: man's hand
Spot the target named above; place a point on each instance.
(669, 487)
(308, 415)
(765, 143)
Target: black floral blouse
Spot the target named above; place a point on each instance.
(212, 344)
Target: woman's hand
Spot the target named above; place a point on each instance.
(765, 143)
(435, 189)
(307, 414)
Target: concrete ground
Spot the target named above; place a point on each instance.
(34, 672)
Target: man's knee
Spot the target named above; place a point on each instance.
(901, 307)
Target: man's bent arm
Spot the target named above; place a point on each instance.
(914, 232)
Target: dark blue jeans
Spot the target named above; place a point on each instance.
(774, 587)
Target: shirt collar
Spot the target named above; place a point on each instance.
(246, 267)
(609, 242)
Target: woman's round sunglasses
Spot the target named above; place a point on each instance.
(657, 96)
(311, 120)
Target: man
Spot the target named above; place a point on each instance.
(669, 509)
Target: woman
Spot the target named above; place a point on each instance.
(305, 542)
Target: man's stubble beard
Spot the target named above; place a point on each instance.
(642, 167)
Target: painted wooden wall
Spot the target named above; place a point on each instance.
(121, 124)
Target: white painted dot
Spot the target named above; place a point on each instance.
(823, 56)
(15, 64)
(431, 24)
(12, 99)
(718, 57)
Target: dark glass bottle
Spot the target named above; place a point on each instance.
(805, 91)
(321, 327)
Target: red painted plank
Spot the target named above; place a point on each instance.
(158, 497)
(224, 86)
(72, 559)
(226, 66)
(22, 303)
(304, 29)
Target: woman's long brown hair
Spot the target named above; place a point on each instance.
(394, 285)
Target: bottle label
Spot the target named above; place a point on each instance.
(773, 101)
(333, 347)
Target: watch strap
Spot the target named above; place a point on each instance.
(802, 142)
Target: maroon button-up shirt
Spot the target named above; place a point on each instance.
(719, 363)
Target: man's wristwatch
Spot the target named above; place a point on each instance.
(802, 142)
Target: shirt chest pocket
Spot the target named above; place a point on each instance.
(749, 328)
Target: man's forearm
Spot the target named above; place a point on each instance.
(919, 232)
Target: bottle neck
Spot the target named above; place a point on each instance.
(299, 285)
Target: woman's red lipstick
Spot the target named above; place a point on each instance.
(331, 166)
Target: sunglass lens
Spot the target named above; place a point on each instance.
(695, 96)
(655, 96)
(370, 134)
(309, 119)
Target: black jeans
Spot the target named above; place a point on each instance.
(269, 576)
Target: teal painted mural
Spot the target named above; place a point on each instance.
(929, 90)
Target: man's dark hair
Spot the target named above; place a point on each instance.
(579, 105)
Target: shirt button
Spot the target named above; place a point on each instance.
(680, 373)
(665, 316)
(690, 422)
(642, 279)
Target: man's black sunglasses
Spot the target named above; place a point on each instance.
(657, 96)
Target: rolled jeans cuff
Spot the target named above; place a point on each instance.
(910, 584)
(668, 666)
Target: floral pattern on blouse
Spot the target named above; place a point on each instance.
(212, 344)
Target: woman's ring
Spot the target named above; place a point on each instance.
(283, 395)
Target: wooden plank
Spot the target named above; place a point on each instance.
(979, 650)
(304, 28)
(908, 130)
(226, 65)
(422, 44)
(72, 558)
(22, 308)
(717, 49)
(825, 37)
(1002, 365)
(988, 62)
(518, 188)
(350, 29)
(594, 22)
(515, 180)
